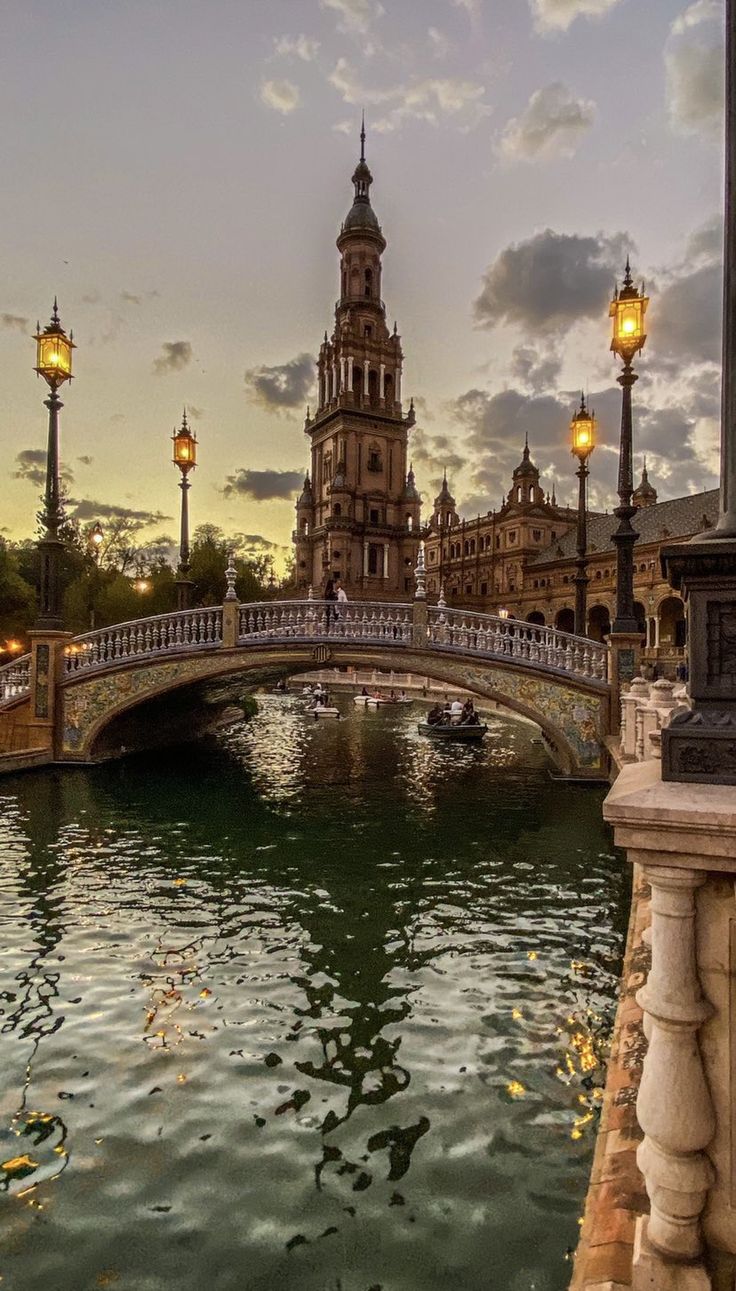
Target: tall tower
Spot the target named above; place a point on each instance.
(359, 517)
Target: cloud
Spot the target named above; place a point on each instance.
(31, 465)
(85, 459)
(281, 96)
(89, 509)
(303, 47)
(439, 43)
(263, 486)
(255, 543)
(557, 15)
(694, 68)
(176, 356)
(551, 125)
(13, 321)
(355, 17)
(433, 99)
(283, 386)
(535, 369)
(685, 316)
(551, 280)
(436, 453)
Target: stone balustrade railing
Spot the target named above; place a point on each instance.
(162, 634)
(532, 643)
(646, 709)
(15, 679)
(396, 624)
(353, 621)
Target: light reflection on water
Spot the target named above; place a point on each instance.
(295, 1006)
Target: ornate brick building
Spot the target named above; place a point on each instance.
(522, 558)
(358, 515)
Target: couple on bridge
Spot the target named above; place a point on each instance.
(335, 598)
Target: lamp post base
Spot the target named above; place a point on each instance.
(183, 593)
(623, 666)
(700, 746)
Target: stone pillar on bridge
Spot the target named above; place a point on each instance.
(624, 659)
(47, 664)
(230, 606)
(420, 612)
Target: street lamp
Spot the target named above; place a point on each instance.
(95, 539)
(54, 364)
(141, 584)
(583, 427)
(185, 457)
(628, 308)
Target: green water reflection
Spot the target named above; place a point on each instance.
(290, 1010)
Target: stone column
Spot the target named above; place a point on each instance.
(335, 386)
(382, 383)
(365, 559)
(366, 371)
(385, 560)
(350, 373)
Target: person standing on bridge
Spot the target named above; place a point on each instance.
(342, 600)
(329, 597)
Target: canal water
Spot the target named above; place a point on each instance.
(312, 1006)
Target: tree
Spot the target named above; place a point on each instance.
(17, 595)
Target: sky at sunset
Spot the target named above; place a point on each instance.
(176, 172)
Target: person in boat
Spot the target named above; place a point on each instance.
(436, 716)
(364, 693)
(456, 711)
(402, 695)
(392, 696)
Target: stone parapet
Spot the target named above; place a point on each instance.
(684, 840)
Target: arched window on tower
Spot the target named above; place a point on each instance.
(388, 389)
(368, 283)
(358, 383)
(337, 509)
(373, 386)
(355, 281)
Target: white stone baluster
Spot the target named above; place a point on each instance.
(674, 1105)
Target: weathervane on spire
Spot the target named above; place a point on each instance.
(362, 136)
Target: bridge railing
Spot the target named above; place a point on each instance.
(516, 639)
(163, 634)
(354, 621)
(15, 679)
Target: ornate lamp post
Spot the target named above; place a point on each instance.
(185, 457)
(700, 746)
(628, 308)
(583, 426)
(54, 364)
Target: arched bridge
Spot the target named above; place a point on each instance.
(64, 694)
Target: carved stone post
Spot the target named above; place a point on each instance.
(674, 1105)
(230, 606)
(47, 666)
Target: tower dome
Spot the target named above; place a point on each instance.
(645, 495)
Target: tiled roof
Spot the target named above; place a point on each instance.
(678, 518)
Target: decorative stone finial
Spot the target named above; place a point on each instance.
(420, 576)
(231, 574)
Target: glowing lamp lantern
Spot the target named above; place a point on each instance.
(503, 614)
(54, 352)
(583, 428)
(185, 448)
(96, 536)
(142, 585)
(627, 310)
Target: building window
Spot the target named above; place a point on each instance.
(374, 459)
(512, 536)
(468, 589)
(565, 579)
(337, 509)
(484, 589)
(432, 556)
(498, 540)
(368, 331)
(374, 516)
(537, 535)
(375, 558)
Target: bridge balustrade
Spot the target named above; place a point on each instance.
(515, 639)
(353, 621)
(159, 635)
(15, 679)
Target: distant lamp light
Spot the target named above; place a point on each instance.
(503, 614)
(96, 536)
(583, 427)
(54, 351)
(13, 647)
(627, 310)
(141, 584)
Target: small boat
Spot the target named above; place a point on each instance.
(380, 701)
(446, 731)
(325, 710)
(362, 700)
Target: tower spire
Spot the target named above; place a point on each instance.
(362, 136)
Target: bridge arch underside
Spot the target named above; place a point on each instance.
(573, 715)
